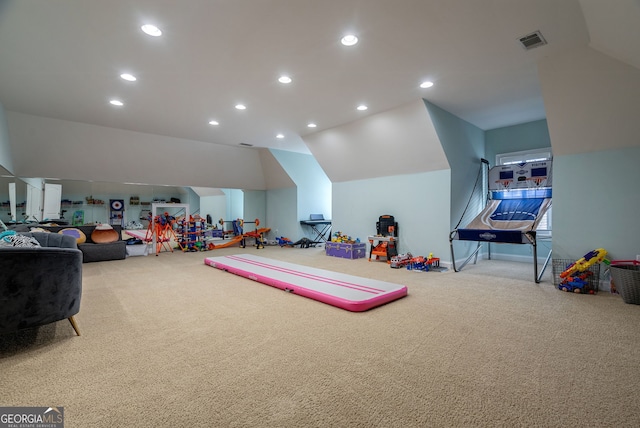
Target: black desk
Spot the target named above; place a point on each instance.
(320, 228)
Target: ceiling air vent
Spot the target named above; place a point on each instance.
(532, 40)
(246, 144)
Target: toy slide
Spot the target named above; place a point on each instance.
(239, 238)
(142, 234)
(236, 240)
(348, 292)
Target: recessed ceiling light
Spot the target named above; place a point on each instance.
(362, 107)
(349, 40)
(241, 107)
(284, 79)
(426, 84)
(312, 125)
(280, 136)
(214, 122)
(151, 30)
(116, 103)
(129, 77)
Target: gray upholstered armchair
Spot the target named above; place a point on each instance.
(40, 285)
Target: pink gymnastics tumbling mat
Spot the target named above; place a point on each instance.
(348, 292)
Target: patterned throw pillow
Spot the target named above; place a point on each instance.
(16, 240)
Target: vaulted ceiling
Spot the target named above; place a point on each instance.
(63, 59)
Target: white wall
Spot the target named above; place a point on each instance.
(44, 147)
(591, 101)
(6, 158)
(400, 141)
(275, 175)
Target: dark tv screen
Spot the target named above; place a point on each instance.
(506, 175)
(539, 172)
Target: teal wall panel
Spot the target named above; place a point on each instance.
(596, 203)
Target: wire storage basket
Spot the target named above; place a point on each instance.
(585, 282)
(625, 277)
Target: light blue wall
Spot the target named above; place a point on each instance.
(6, 159)
(255, 207)
(464, 146)
(235, 205)
(419, 203)
(313, 189)
(282, 214)
(193, 200)
(596, 203)
(216, 207)
(526, 136)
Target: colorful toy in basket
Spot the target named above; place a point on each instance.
(592, 257)
(577, 284)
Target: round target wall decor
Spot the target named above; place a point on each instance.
(117, 204)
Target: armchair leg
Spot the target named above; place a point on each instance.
(74, 325)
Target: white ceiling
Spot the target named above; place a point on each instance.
(62, 59)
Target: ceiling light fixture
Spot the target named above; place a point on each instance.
(214, 122)
(362, 107)
(284, 79)
(280, 136)
(117, 103)
(312, 125)
(128, 77)
(241, 107)
(426, 84)
(349, 40)
(151, 30)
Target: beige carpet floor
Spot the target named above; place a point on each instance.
(170, 342)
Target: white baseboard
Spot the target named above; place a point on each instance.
(513, 258)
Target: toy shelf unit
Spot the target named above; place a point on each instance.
(116, 212)
(385, 242)
(162, 234)
(191, 234)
